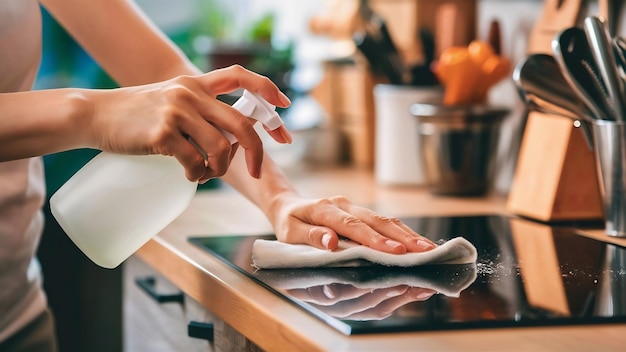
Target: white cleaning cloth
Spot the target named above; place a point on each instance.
(272, 254)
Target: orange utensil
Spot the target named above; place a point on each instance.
(480, 51)
(493, 70)
(458, 73)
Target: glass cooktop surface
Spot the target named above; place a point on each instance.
(526, 274)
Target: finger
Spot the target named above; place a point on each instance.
(387, 226)
(386, 308)
(233, 150)
(240, 126)
(420, 293)
(232, 121)
(216, 155)
(210, 142)
(327, 214)
(280, 135)
(254, 159)
(317, 236)
(326, 295)
(346, 309)
(207, 176)
(189, 157)
(229, 79)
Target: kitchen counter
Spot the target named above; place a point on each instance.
(271, 323)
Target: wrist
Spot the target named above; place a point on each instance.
(279, 204)
(79, 111)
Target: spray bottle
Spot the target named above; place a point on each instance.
(116, 203)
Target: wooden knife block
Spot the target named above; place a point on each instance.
(555, 178)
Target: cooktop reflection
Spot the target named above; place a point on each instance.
(526, 274)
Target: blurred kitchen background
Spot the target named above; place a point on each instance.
(308, 49)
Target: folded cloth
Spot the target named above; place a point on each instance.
(272, 254)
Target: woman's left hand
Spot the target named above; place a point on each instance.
(320, 222)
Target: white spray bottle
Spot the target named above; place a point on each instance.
(116, 203)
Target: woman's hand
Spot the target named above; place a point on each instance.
(320, 222)
(169, 117)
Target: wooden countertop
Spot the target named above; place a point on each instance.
(274, 324)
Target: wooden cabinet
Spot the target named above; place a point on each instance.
(150, 325)
(160, 317)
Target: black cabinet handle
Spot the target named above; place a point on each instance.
(147, 284)
(200, 330)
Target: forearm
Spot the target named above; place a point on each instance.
(43, 122)
(133, 51)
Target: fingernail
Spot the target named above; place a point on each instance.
(397, 291)
(425, 294)
(286, 135)
(425, 245)
(326, 240)
(393, 244)
(328, 292)
(283, 99)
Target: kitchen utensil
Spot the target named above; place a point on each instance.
(468, 73)
(610, 10)
(610, 294)
(494, 37)
(458, 73)
(377, 44)
(422, 74)
(602, 51)
(610, 151)
(577, 65)
(458, 146)
(555, 176)
(619, 47)
(542, 84)
(544, 88)
(380, 63)
(492, 68)
(428, 45)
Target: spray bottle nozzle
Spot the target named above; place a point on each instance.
(255, 107)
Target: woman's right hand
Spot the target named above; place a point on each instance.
(169, 117)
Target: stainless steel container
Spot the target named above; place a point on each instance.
(458, 146)
(610, 150)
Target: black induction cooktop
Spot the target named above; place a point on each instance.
(527, 274)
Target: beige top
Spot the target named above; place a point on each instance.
(22, 187)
